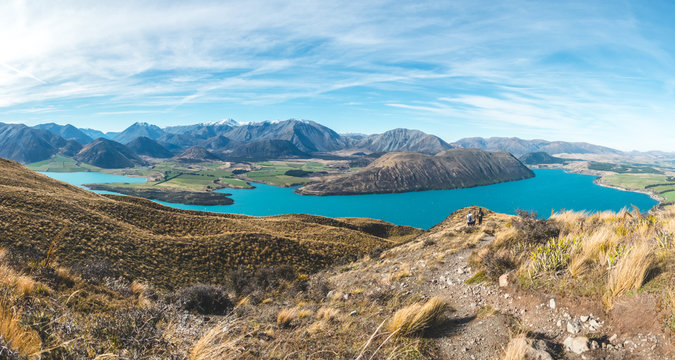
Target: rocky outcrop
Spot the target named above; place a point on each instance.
(403, 172)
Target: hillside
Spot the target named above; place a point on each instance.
(145, 146)
(196, 154)
(68, 132)
(108, 154)
(166, 246)
(540, 157)
(519, 147)
(137, 130)
(21, 143)
(265, 150)
(85, 276)
(307, 136)
(403, 140)
(402, 172)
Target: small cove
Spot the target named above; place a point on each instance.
(550, 190)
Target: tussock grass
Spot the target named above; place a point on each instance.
(286, 317)
(327, 314)
(25, 286)
(20, 339)
(516, 349)
(630, 271)
(416, 318)
(216, 344)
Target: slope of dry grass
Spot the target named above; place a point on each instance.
(170, 247)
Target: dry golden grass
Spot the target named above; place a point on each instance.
(414, 319)
(505, 236)
(215, 344)
(630, 271)
(25, 285)
(516, 349)
(286, 317)
(24, 341)
(327, 314)
(138, 287)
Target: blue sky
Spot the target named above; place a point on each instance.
(595, 71)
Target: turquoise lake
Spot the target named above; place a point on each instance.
(549, 190)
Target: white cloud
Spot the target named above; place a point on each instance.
(537, 66)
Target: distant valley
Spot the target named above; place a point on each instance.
(184, 163)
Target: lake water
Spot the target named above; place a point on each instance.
(549, 190)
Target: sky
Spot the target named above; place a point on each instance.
(595, 71)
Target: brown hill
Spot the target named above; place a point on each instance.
(402, 172)
(167, 246)
(108, 154)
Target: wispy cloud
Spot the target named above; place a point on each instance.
(517, 67)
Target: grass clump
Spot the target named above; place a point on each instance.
(516, 349)
(477, 278)
(415, 319)
(286, 317)
(630, 271)
(554, 255)
(24, 341)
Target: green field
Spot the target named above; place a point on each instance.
(274, 172)
(195, 177)
(59, 163)
(659, 184)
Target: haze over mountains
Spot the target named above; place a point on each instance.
(229, 140)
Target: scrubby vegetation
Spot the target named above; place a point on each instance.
(604, 255)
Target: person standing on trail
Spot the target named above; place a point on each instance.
(480, 216)
(469, 219)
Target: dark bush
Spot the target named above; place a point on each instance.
(535, 231)
(204, 299)
(262, 280)
(498, 263)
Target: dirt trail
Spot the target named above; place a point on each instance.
(486, 316)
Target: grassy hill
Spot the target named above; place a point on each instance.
(165, 246)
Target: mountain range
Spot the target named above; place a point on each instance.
(229, 140)
(519, 147)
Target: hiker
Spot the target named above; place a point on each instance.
(480, 216)
(469, 219)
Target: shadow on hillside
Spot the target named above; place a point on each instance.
(449, 327)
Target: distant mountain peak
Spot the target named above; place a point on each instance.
(227, 121)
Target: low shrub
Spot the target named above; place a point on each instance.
(499, 262)
(535, 231)
(204, 299)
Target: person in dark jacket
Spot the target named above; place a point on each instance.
(480, 216)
